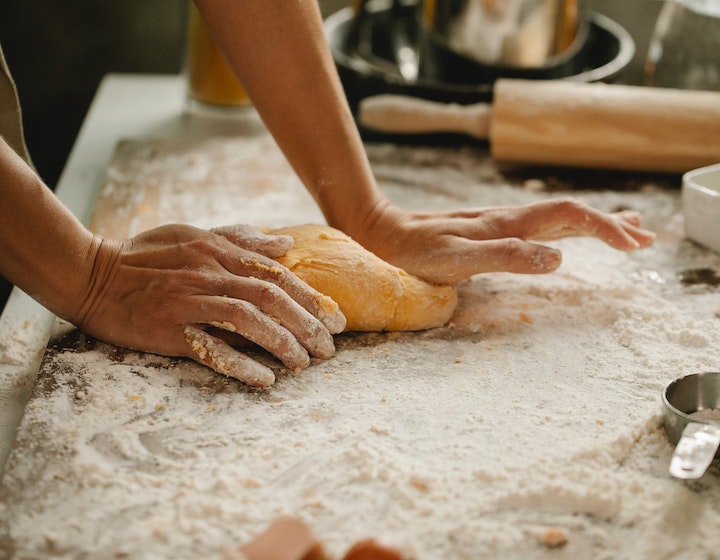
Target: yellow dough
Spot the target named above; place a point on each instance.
(373, 295)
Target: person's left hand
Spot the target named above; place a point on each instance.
(447, 247)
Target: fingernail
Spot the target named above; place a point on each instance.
(547, 259)
(634, 244)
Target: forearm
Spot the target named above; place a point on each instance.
(44, 249)
(278, 50)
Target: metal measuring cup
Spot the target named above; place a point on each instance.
(691, 418)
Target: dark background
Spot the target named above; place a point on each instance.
(59, 51)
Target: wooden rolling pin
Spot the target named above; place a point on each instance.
(571, 124)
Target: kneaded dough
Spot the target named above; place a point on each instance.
(373, 295)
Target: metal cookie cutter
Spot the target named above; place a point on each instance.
(691, 418)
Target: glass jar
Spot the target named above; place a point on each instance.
(684, 50)
(211, 84)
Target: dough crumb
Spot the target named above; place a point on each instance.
(379, 431)
(420, 483)
(534, 185)
(551, 537)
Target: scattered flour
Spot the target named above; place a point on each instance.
(528, 428)
(707, 414)
(22, 344)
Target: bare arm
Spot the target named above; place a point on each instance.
(161, 290)
(44, 248)
(278, 50)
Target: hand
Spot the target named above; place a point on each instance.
(164, 289)
(447, 247)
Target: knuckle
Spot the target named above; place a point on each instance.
(572, 207)
(204, 245)
(514, 247)
(270, 294)
(243, 308)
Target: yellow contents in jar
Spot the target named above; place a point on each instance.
(210, 78)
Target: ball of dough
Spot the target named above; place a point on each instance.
(373, 295)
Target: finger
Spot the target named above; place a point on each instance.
(556, 219)
(252, 239)
(243, 318)
(630, 222)
(222, 358)
(630, 216)
(548, 220)
(518, 256)
(275, 302)
(463, 258)
(263, 268)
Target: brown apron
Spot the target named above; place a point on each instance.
(10, 117)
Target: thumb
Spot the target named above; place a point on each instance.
(517, 256)
(469, 257)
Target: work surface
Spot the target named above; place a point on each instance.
(534, 414)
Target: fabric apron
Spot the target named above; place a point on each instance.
(10, 116)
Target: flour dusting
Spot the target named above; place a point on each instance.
(528, 427)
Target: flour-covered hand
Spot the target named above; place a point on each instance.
(181, 291)
(447, 247)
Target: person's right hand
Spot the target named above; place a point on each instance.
(167, 290)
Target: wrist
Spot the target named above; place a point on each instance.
(95, 274)
(351, 204)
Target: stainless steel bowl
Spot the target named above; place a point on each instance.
(510, 33)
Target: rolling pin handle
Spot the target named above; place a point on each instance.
(401, 114)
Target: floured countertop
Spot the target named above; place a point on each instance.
(527, 428)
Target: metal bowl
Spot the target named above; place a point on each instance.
(449, 78)
(508, 33)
